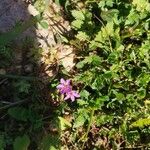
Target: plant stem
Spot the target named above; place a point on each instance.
(88, 128)
(13, 104)
(105, 31)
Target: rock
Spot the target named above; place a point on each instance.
(11, 12)
(66, 57)
(32, 10)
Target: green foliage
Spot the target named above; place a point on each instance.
(81, 118)
(50, 142)
(111, 39)
(22, 86)
(40, 5)
(141, 123)
(44, 24)
(78, 15)
(104, 119)
(2, 142)
(114, 69)
(6, 52)
(19, 113)
(90, 60)
(6, 56)
(64, 123)
(26, 115)
(21, 143)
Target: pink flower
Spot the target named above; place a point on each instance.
(64, 86)
(72, 95)
(66, 89)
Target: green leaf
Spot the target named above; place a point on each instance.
(141, 123)
(107, 75)
(57, 2)
(105, 32)
(21, 143)
(77, 14)
(93, 60)
(80, 64)
(81, 118)
(84, 94)
(23, 86)
(98, 83)
(49, 142)
(113, 57)
(82, 102)
(105, 3)
(120, 96)
(38, 17)
(110, 15)
(132, 18)
(64, 39)
(82, 36)
(103, 119)
(141, 5)
(109, 3)
(77, 24)
(109, 29)
(101, 4)
(2, 143)
(99, 37)
(99, 102)
(96, 60)
(44, 24)
(143, 79)
(64, 124)
(141, 93)
(19, 113)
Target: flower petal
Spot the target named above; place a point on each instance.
(60, 86)
(67, 97)
(68, 82)
(76, 94)
(62, 81)
(62, 91)
(72, 98)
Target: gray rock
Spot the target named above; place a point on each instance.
(12, 12)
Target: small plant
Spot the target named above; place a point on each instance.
(111, 40)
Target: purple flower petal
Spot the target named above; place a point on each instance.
(68, 82)
(60, 86)
(64, 86)
(62, 92)
(76, 94)
(72, 98)
(62, 81)
(72, 95)
(67, 97)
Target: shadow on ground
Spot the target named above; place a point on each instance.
(23, 110)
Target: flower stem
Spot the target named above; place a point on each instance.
(88, 128)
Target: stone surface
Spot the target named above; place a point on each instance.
(11, 12)
(14, 11)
